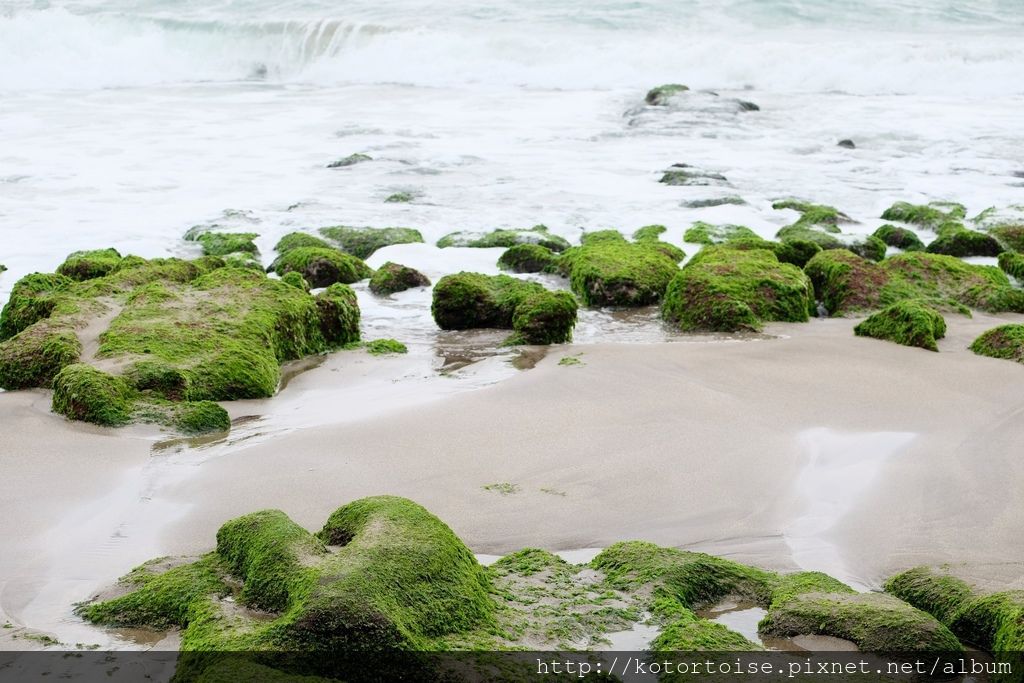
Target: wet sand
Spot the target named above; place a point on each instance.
(697, 445)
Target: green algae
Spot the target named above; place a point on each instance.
(660, 95)
(350, 160)
(86, 265)
(963, 242)
(612, 272)
(362, 242)
(394, 277)
(380, 347)
(901, 238)
(504, 237)
(81, 392)
(322, 267)
(1005, 342)
(932, 215)
(224, 243)
(527, 258)
(706, 233)
(909, 323)
(1012, 264)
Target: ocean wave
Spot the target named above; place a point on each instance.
(67, 47)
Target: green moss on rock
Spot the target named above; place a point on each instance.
(932, 215)
(506, 238)
(200, 417)
(86, 265)
(399, 198)
(294, 240)
(380, 347)
(820, 216)
(659, 96)
(1012, 264)
(224, 243)
(33, 298)
(966, 243)
(727, 290)
(81, 392)
(706, 233)
(804, 233)
(394, 277)
(34, 357)
(1005, 342)
(901, 238)
(545, 318)
(350, 160)
(613, 273)
(295, 280)
(527, 258)
(363, 242)
(322, 267)
(339, 315)
(871, 248)
(1010, 236)
(909, 323)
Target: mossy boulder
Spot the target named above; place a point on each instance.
(363, 242)
(613, 272)
(394, 277)
(900, 238)
(870, 247)
(966, 243)
(200, 417)
(728, 290)
(381, 347)
(81, 392)
(706, 233)
(472, 300)
(1010, 236)
(295, 280)
(382, 575)
(506, 238)
(687, 175)
(527, 258)
(846, 283)
(932, 215)
(873, 621)
(650, 235)
(86, 265)
(909, 323)
(805, 233)
(224, 243)
(991, 620)
(820, 216)
(322, 267)
(33, 298)
(294, 240)
(794, 251)
(1012, 264)
(660, 95)
(399, 198)
(1005, 341)
(35, 356)
(350, 160)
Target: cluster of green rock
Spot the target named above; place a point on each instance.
(947, 221)
(384, 575)
(122, 339)
(506, 238)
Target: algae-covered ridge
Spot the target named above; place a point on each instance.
(383, 574)
(161, 340)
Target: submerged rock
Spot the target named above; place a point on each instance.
(471, 300)
(363, 242)
(795, 251)
(506, 238)
(1006, 225)
(819, 216)
(872, 248)
(224, 243)
(909, 323)
(963, 242)
(394, 277)
(932, 215)
(350, 160)
(660, 95)
(727, 290)
(847, 143)
(684, 174)
(1005, 341)
(901, 238)
(706, 233)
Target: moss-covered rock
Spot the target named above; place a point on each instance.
(870, 247)
(846, 283)
(363, 242)
(294, 240)
(527, 258)
(201, 417)
(86, 265)
(874, 622)
(1010, 236)
(727, 290)
(295, 280)
(821, 216)
(734, 200)
(909, 323)
(506, 238)
(610, 272)
(932, 215)
(1005, 341)
(394, 277)
(322, 267)
(224, 243)
(81, 392)
(1012, 264)
(33, 298)
(660, 95)
(794, 251)
(966, 243)
(350, 160)
(338, 316)
(36, 355)
(901, 238)
(706, 233)
(472, 300)
(804, 233)
(399, 198)
(687, 175)
(650, 235)
(993, 621)
(380, 347)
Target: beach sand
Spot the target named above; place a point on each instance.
(737, 448)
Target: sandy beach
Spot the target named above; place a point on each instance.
(732, 447)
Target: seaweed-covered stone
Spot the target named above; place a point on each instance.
(846, 283)
(35, 356)
(901, 238)
(81, 392)
(806, 233)
(394, 277)
(660, 95)
(506, 238)
(966, 243)
(729, 290)
(295, 280)
(909, 323)
(706, 233)
(338, 314)
(1005, 341)
(687, 175)
(1005, 224)
(794, 251)
(821, 216)
(992, 620)
(399, 198)
(224, 243)
(714, 201)
(350, 160)
(322, 267)
(527, 258)
(618, 273)
(86, 265)
(650, 235)
(1012, 264)
(33, 298)
(874, 622)
(200, 417)
(932, 215)
(472, 300)
(870, 247)
(380, 347)
(294, 240)
(382, 575)
(363, 242)
(596, 236)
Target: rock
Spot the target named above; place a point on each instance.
(966, 243)
(847, 143)
(1005, 341)
(295, 280)
(659, 96)
(527, 258)
(394, 277)
(322, 267)
(380, 347)
(820, 216)
(870, 247)
(714, 201)
(224, 243)
(932, 215)
(901, 238)
(794, 251)
(1012, 264)
(650, 235)
(909, 323)
(506, 238)
(612, 272)
(81, 392)
(294, 240)
(1006, 225)
(706, 233)
(363, 242)
(684, 174)
(350, 160)
(728, 290)
(86, 265)
(536, 316)
(399, 198)
(748, 106)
